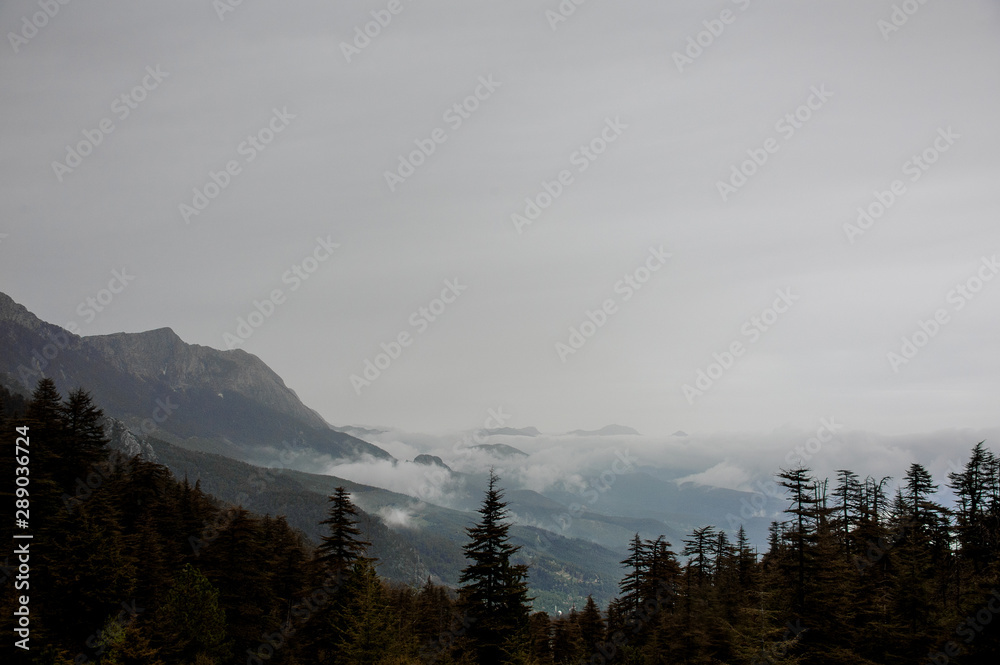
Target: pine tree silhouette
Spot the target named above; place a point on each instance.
(494, 591)
(344, 547)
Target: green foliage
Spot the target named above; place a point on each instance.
(190, 622)
(367, 632)
(126, 643)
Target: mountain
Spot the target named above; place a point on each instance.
(123, 440)
(226, 420)
(500, 450)
(681, 507)
(413, 540)
(430, 460)
(607, 430)
(226, 402)
(531, 508)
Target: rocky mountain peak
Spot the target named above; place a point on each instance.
(123, 440)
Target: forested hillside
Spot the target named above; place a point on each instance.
(128, 564)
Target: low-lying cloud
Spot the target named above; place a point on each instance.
(741, 461)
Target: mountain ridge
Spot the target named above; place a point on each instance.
(607, 430)
(194, 396)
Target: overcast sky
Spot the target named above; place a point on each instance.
(665, 120)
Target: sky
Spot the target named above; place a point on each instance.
(724, 216)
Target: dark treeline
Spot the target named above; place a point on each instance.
(130, 565)
(851, 576)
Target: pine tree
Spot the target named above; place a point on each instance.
(337, 556)
(47, 434)
(366, 634)
(45, 406)
(971, 487)
(236, 563)
(540, 628)
(746, 558)
(494, 590)
(661, 576)
(802, 494)
(567, 640)
(591, 627)
(288, 557)
(433, 612)
(847, 515)
(344, 547)
(631, 585)
(700, 547)
(86, 443)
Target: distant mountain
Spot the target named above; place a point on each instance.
(430, 460)
(531, 508)
(511, 431)
(680, 433)
(682, 507)
(500, 450)
(607, 430)
(226, 402)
